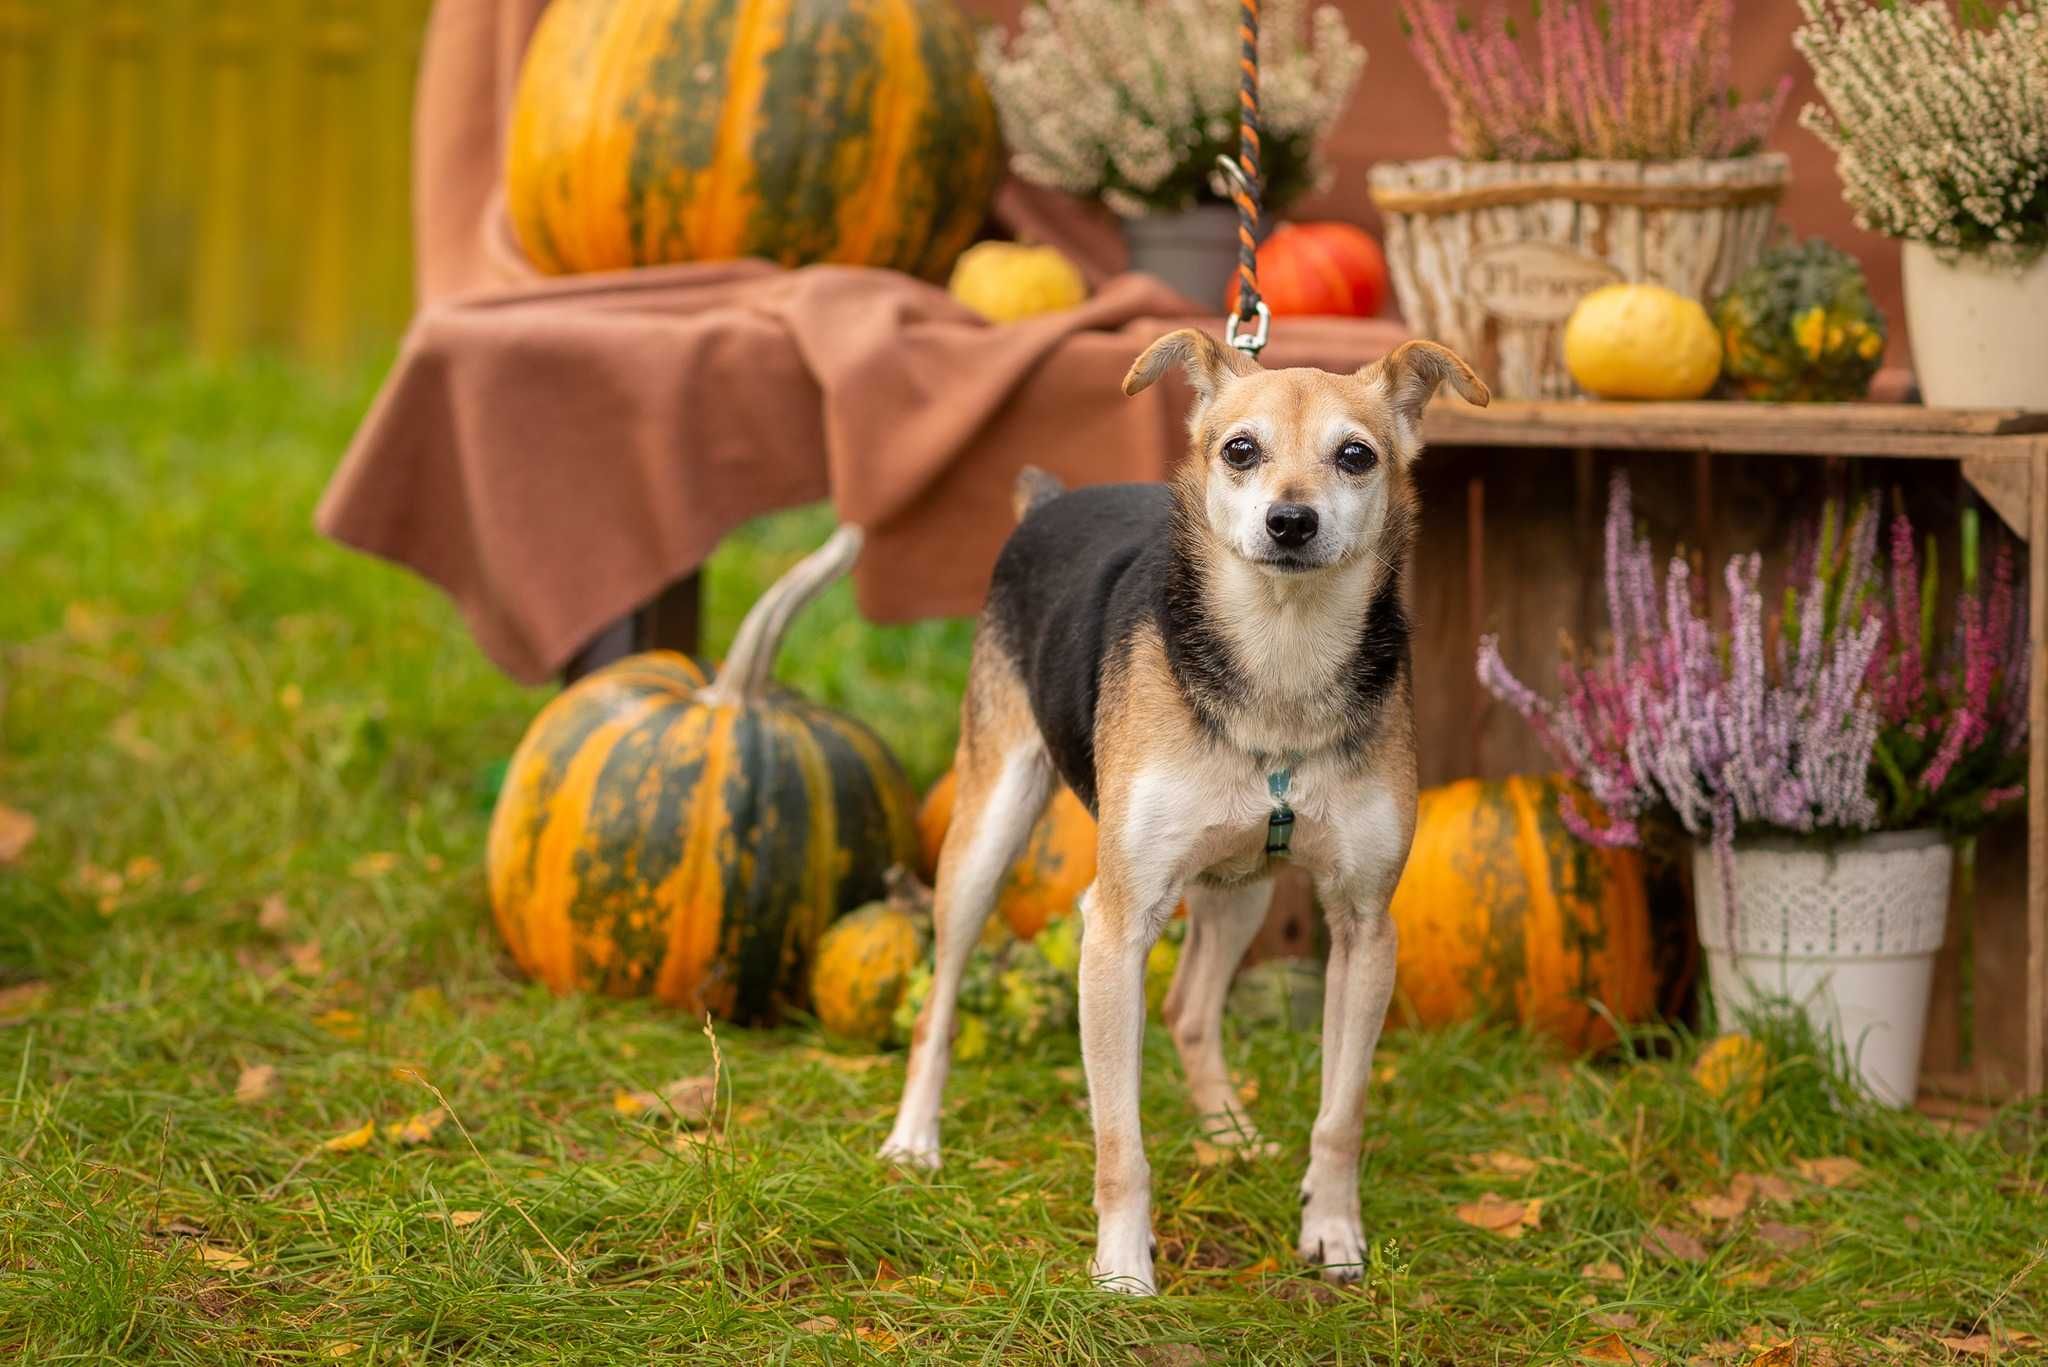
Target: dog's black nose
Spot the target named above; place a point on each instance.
(1291, 524)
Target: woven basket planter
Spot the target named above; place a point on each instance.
(1490, 257)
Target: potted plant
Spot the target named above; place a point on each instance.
(1939, 126)
(1619, 154)
(1131, 102)
(1822, 764)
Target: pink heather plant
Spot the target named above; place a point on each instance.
(1621, 80)
(1718, 731)
(1844, 718)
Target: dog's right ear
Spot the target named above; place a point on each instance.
(1208, 362)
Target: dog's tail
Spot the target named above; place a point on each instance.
(1033, 487)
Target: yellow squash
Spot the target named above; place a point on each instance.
(865, 960)
(1641, 342)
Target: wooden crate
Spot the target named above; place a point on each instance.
(1514, 498)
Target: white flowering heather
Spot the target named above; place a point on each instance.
(1131, 101)
(1765, 736)
(1939, 127)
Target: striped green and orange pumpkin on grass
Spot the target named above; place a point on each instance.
(660, 832)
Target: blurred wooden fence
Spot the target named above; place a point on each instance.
(235, 169)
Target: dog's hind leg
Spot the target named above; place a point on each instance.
(1003, 776)
(1221, 924)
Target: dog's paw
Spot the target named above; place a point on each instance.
(914, 1149)
(1335, 1243)
(1131, 1277)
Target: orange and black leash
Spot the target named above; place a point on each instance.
(1251, 320)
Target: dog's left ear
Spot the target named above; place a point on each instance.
(1209, 362)
(1413, 370)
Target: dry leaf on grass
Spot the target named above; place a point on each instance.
(351, 1140)
(1509, 1219)
(1613, 1319)
(255, 1083)
(1748, 1277)
(224, 1259)
(23, 999)
(126, 734)
(416, 1129)
(847, 1063)
(1978, 1345)
(1608, 1348)
(688, 1099)
(1784, 1354)
(274, 914)
(1210, 1155)
(1247, 1090)
(1674, 1244)
(340, 1023)
(375, 864)
(306, 960)
(1264, 1267)
(1829, 1172)
(461, 1219)
(1602, 1272)
(1767, 1186)
(819, 1324)
(17, 832)
(1501, 1161)
(1790, 1238)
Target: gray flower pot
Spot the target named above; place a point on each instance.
(1195, 251)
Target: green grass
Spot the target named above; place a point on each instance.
(208, 709)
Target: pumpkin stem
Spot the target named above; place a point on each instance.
(750, 664)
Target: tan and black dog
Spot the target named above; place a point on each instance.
(1219, 668)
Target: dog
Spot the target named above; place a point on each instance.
(1219, 668)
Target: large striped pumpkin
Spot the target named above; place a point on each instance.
(656, 131)
(658, 833)
(1504, 915)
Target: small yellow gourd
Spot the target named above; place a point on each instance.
(865, 959)
(1005, 282)
(1641, 342)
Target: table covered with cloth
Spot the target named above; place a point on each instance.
(555, 451)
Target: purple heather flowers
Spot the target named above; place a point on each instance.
(1625, 79)
(1836, 718)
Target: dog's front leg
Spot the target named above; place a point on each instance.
(1359, 984)
(1117, 930)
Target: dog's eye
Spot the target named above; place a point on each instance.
(1355, 457)
(1240, 453)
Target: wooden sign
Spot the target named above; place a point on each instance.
(1534, 282)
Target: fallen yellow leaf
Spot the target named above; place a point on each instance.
(1768, 1186)
(1785, 1354)
(255, 1083)
(1209, 1155)
(1607, 1348)
(375, 864)
(819, 1324)
(340, 1023)
(1732, 1068)
(352, 1140)
(1829, 1172)
(23, 999)
(223, 1259)
(461, 1219)
(1509, 1219)
(17, 832)
(291, 697)
(142, 869)
(306, 960)
(847, 1063)
(1790, 1238)
(1602, 1272)
(1501, 1161)
(633, 1103)
(1264, 1267)
(417, 1129)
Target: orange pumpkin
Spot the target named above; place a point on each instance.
(1056, 867)
(1504, 915)
(1326, 268)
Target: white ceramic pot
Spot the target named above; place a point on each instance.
(1979, 331)
(1195, 251)
(1847, 934)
